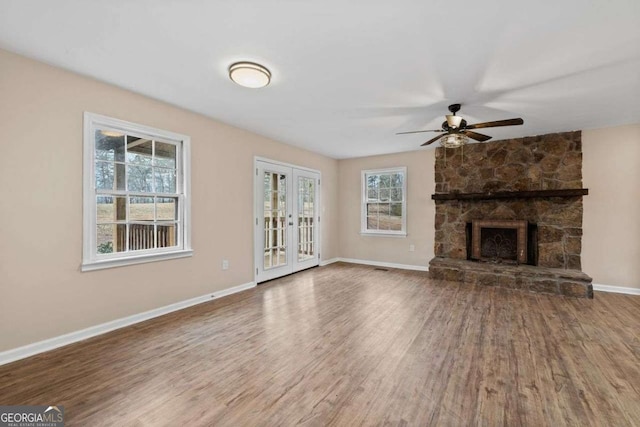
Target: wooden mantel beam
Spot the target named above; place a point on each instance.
(573, 192)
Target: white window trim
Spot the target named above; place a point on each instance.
(363, 204)
(90, 260)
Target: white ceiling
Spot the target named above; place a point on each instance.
(347, 74)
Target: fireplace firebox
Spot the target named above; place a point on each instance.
(500, 242)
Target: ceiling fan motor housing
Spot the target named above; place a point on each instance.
(445, 125)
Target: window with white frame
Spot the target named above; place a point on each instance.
(136, 193)
(384, 210)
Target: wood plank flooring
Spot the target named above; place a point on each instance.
(353, 345)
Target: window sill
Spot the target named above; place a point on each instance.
(368, 233)
(140, 259)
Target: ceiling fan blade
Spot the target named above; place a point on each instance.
(475, 135)
(497, 123)
(431, 141)
(420, 131)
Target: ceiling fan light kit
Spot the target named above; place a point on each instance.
(456, 132)
(454, 140)
(249, 74)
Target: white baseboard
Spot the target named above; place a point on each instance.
(328, 261)
(616, 289)
(28, 350)
(384, 264)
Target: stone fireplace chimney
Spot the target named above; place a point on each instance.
(509, 213)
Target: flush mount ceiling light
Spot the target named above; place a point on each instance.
(249, 74)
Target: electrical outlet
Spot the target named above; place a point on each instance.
(225, 264)
(412, 248)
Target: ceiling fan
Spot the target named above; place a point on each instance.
(457, 131)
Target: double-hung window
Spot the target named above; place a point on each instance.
(136, 193)
(384, 193)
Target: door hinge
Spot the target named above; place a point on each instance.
(256, 171)
(256, 271)
(318, 219)
(318, 182)
(256, 221)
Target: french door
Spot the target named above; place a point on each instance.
(287, 221)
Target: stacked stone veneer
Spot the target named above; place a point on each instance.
(546, 162)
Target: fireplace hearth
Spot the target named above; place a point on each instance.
(509, 214)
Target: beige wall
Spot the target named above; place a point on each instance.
(611, 223)
(42, 292)
(420, 210)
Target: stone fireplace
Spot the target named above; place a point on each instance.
(509, 213)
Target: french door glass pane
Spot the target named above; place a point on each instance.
(306, 216)
(279, 256)
(267, 259)
(275, 219)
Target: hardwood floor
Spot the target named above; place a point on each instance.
(352, 345)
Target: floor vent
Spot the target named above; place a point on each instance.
(381, 269)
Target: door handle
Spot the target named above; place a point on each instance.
(290, 222)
